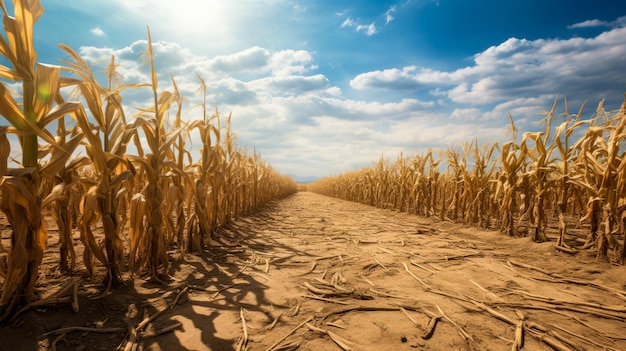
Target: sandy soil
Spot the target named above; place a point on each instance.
(363, 278)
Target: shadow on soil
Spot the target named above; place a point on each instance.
(217, 282)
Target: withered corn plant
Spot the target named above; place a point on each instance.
(232, 170)
(456, 167)
(527, 181)
(105, 179)
(147, 239)
(432, 184)
(476, 183)
(563, 171)
(5, 152)
(600, 167)
(105, 144)
(21, 201)
(512, 166)
(178, 198)
(539, 174)
(60, 200)
(201, 220)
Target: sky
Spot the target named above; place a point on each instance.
(328, 86)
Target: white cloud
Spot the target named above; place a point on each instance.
(348, 23)
(523, 109)
(333, 92)
(168, 57)
(304, 123)
(129, 65)
(589, 23)
(255, 58)
(360, 109)
(620, 22)
(97, 31)
(421, 133)
(289, 85)
(369, 29)
(288, 62)
(231, 92)
(466, 114)
(578, 67)
(407, 78)
(389, 14)
(393, 78)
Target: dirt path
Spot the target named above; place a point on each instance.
(348, 269)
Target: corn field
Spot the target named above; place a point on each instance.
(75, 134)
(573, 172)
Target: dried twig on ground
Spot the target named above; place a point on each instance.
(494, 296)
(340, 341)
(406, 268)
(56, 341)
(410, 318)
(567, 250)
(360, 308)
(68, 292)
(462, 331)
(518, 343)
(384, 294)
(84, 329)
(422, 267)
(557, 278)
(611, 308)
(362, 277)
(44, 302)
(387, 251)
(243, 341)
(430, 328)
(273, 324)
(215, 292)
(550, 338)
(178, 296)
(604, 347)
(458, 257)
(288, 334)
(75, 306)
(315, 297)
(164, 330)
(290, 346)
(134, 333)
(382, 265)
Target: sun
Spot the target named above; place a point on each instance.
(189, 22)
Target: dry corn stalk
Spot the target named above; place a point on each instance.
(202, 219)
(178, 198)
(600, 172)
(232, 182)
(531, 180)
(146, 222)
(21, 201)
(106, 142)
(562, 136)
(538, 175)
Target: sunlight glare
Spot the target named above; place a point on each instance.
(187, 20)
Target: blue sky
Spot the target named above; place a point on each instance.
(323, 87)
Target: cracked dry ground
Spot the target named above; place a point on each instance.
(315, 273)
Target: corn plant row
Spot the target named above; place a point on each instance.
(574, 170)
(147, 201)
